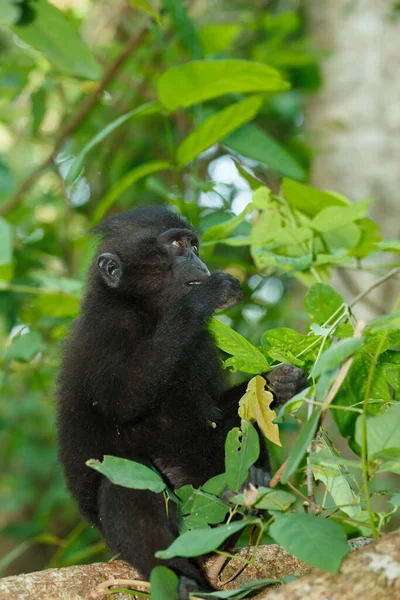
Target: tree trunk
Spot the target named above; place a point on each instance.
(354, 122)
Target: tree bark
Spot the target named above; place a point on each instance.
(373, 573)
(354, 121)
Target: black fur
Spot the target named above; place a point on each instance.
(141, 379)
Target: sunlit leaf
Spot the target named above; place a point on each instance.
(246, 357)
(283, 338)
(197, 81)
(218, 37)
(255, 406)
(309, 200)
(214, 128)
(321, 302)
(334, 217)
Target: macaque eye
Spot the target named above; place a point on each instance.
(178, 243)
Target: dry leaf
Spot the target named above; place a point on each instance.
(255, 406)
(250, 495)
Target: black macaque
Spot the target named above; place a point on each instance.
(142, 379)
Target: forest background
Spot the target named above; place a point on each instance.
(96, 117)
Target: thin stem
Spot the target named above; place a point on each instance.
(364, 432)
(374, 285)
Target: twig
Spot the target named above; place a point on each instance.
(325, 404)
(74, 122)
(217, 564)
(103, 588)
(376, 283)
(242, 567)
(309, 473)
(342, 373)
(278, 475)
(317, 507)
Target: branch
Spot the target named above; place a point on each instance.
(342, 373)
(84, 110)
(371, 572)
(374, 285)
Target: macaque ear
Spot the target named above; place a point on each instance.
(110, 268)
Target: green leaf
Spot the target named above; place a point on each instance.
(242, 448)
(146, 7)
(301, 444)
(218, 37)
(321, 302)
(387, 322)
(215, 485)
(217, 233)
(246, 357)
(315, 540)
(129, 179)
(149, 108)
(383, 431)
(267, 499)
(196, 81)
(309, 200)
(38, 102)
(285, 339)
(369, 239)
(254, 143)
(335, 217)
(214, 128)
(205, 509)
(52, 33)
(184, 26)
(57, 305)
(342, 239)
(24, 347)
(334, 478)
(164, 584)
(332, 259)
(389, 246)
(128, 473)
(336, 355)
(389, 460)
(201, 541)
(6, 250)
(9, 12)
